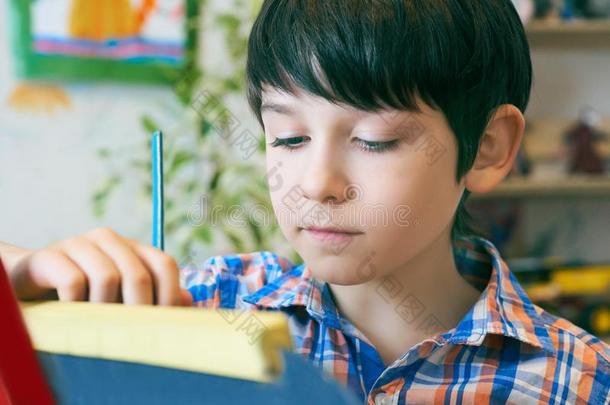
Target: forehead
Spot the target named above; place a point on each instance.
(272, 95)
(277, 100)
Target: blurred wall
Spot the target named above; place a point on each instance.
(566, 78)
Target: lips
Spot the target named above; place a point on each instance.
(332, 237)
(333, 230)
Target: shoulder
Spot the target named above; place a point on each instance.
(565, 335)
(221, 279)
(573, 368)
(580, 366)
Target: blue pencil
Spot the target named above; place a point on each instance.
(157, 191)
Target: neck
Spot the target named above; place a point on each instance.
(410, 303)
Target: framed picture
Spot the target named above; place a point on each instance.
(128, 40)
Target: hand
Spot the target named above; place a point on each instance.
(99, 266)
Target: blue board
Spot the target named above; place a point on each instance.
(82, 380)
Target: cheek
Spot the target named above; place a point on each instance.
(420, 199)
(283, 194)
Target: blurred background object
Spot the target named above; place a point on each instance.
(579, 292)
(582, 141)
(31, 96)
(545, 9)
(131, 40)
(593, 8)
(568, 9)
(100, 20)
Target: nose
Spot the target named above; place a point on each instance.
(323, 178)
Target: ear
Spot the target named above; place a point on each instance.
(497, 151)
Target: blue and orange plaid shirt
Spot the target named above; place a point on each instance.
(505, 350)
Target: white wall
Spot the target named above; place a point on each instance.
(567, 78)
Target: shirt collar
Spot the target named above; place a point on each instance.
(503, 307)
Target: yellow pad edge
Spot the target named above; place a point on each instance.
(231, 343)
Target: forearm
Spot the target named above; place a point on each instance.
(11, 255)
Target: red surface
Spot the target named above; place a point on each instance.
(21, 379)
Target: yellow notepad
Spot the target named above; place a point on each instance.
(232, 343)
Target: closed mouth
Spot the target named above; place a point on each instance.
(332, 230)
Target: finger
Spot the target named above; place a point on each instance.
(51, 269)
(164, 270)
(103, 277)
(136, 279)
(186, 298)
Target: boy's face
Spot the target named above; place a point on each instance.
(399, 199)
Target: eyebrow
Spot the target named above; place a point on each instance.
(277, 108)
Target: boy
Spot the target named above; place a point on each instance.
(380, 117)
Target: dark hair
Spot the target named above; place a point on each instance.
(461, 57)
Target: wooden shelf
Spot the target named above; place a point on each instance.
(594, 33)
(573, 187)
(570, 27)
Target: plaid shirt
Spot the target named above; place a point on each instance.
(505, 350)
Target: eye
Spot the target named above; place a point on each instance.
(288, 143)
(377, 147)
(368, 146)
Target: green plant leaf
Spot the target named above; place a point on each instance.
(256, 232)
(180, 159)
(215, 180)
(102, 195)
(149, 124)
(235, 239)
(204, 234)
(141, 164)
(103, 153)
(205, 128)
(229, 22)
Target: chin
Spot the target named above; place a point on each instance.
(338, 271)
(338, 279)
